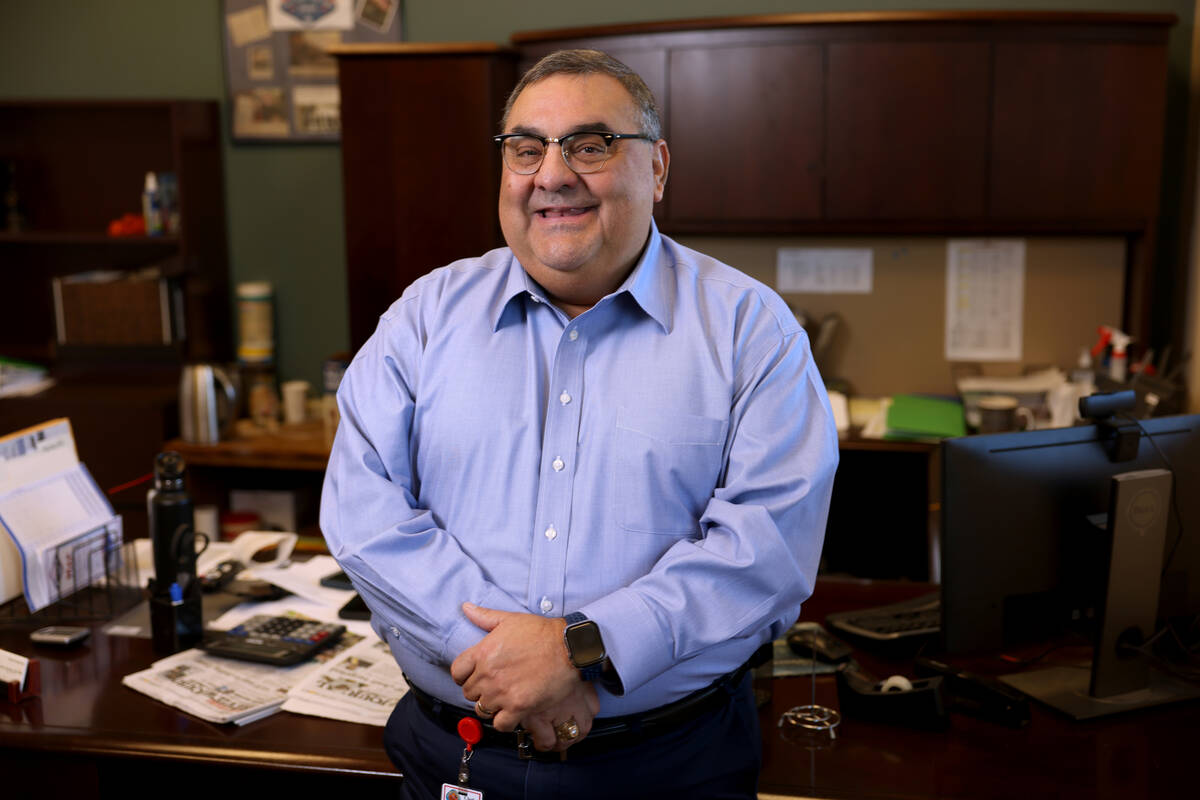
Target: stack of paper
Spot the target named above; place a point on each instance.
(356, 680)
(21, 379)
(917, 417)
(224, 689)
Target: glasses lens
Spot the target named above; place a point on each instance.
(585, 152)
(523, 154)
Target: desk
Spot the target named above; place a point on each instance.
(89, 736)
(1141, 754)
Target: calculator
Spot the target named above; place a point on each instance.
(281, 641)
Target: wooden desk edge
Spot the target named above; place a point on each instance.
(239, 754)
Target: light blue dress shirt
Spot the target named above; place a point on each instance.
(663, 463)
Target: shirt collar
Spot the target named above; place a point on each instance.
(648, 284)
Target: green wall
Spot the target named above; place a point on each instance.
(284, 202)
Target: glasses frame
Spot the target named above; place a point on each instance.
(546, 141)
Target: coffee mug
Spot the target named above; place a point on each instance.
(999, 413)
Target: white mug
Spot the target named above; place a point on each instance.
(295, 401)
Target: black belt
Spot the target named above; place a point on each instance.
(607, 734)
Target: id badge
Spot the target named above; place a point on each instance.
(452, 792)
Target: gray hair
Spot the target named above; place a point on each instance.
(593, 62)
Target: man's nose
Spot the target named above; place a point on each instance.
(554, 173)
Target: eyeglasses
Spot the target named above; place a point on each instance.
(583, 152)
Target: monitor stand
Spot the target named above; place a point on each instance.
(1119, 680)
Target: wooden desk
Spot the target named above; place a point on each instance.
(1141, 754)
(89, 736)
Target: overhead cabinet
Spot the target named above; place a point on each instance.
(903, 122)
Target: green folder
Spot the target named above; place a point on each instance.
(914, 416)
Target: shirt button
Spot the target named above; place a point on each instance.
(534, 298)
(573, 335)
(564, 398)
(551, 533)
(558, 465)
(395, 632)
(546, 605)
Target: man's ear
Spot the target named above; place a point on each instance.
(661, 163)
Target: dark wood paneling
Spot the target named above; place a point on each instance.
(746, 132)
(1077, 130)
(421, 178)
(908, 126)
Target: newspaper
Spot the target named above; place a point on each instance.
(363, 684)
(227, 690)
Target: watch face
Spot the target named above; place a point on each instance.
(586, 646)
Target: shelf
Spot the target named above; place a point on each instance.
(86, 238)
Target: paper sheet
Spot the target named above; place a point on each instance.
(811, 270)
(985, 299)
(13, 668)
(65, 533)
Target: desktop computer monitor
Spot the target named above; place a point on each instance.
(1026, 541)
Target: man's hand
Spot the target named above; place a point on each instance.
(522, 672)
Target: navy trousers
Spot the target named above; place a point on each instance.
(716, 756)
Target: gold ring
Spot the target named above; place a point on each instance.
(482, 711)
(567, 731)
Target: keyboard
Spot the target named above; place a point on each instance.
(281, 641)
(910, 619)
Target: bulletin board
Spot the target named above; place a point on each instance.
(280, 83)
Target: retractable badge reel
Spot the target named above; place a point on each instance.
(470, 731)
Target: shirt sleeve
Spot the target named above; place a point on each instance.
(385, 542)
(762, 530)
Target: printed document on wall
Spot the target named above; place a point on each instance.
(828, 270)
(985, 299)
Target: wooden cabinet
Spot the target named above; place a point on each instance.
(421, 178)
(908, 130)
(745, 129)
(944, 123)
(80, 164)
(1077, 131)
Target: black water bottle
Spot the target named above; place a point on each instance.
(176, 608)
(172, 530)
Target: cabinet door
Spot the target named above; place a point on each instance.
(747, 133)
(908, 126)
(1076, 130)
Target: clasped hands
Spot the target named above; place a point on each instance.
(520, 670)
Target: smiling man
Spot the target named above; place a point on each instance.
(580, 480)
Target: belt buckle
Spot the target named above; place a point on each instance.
(524, 744)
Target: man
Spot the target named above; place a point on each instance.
(581, 479)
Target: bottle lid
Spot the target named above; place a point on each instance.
(168, 470)
(255, 290)
(151, 182)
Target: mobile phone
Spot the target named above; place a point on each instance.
(60, 635)
(337, 580)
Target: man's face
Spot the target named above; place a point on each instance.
(579, 235)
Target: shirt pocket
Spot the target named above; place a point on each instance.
(667, 466)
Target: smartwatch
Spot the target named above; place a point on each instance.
(585, 647)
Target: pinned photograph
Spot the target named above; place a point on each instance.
(317, 109)
(377, 14)
(260, 62)
(248, 25)
(307, 53)
(260, 112)
(295, 15)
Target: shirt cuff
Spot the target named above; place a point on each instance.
(465, 634)
(627, 625)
